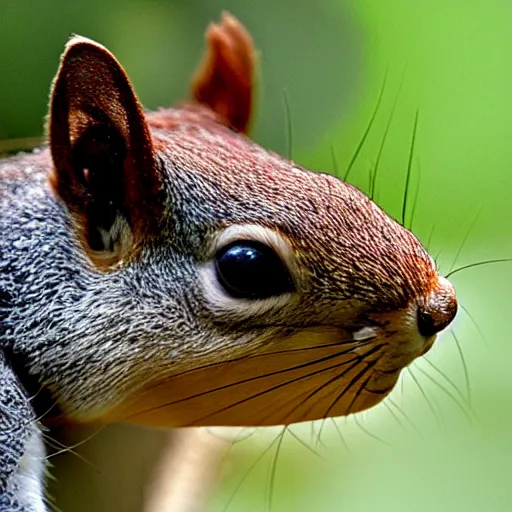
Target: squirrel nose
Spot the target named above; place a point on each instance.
(438, 311)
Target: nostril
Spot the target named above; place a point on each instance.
(439, 311)
(427, 324)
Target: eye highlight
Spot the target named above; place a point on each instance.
(248, 269)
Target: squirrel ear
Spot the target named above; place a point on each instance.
(104, 165)
(225, 78)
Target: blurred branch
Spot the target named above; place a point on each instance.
(23, 144)
(189, 470)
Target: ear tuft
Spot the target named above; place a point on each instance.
(104, 164)
(225, 78)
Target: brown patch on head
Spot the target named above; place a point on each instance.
(186, 117)
(345, 243)
(104, 166)
(224, 80)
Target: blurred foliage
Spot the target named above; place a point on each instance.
(159, 44)
(435, 451)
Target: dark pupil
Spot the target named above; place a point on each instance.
(252, 270)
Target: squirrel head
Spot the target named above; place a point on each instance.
(227, 285)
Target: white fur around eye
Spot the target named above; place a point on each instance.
(257, 233)
(214, 293)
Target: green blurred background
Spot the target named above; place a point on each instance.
(331, 56)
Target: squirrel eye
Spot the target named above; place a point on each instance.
(252, 270)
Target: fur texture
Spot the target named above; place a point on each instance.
(110, 301)
(21, 448)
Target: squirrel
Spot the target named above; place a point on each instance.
(161, 268)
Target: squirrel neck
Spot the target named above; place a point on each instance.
(22, 452)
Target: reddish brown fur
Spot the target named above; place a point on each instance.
(224, 80)
(92, 89)
(364, 250)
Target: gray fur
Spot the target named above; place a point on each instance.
(20, 477)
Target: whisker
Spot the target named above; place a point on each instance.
(477, 327)
(465, 239)
(321, 429)
(464, 365)
(36, 394)
(448, 393)
(453, 232)
(304, 444)
(234, 442)
(368, 433)
(269, 390)
(288, 114)
(354, 380)
(478, 264)
(80, 443)
(241, 436)
(312, 430)
(339, 376)
(402, 389)
(251, 379)
(254, 356)
(273, 468)
(409, 167)
(319, 436)
(43, 415)
(279, 406)
(362, 387)
(367, 130)
(248, 472)
(385, 136)
(416, 193)
(446, 378)
(429, 241)
(356, 360)
(341, 436)
(400, 410)
(395, 415)
(57, 445)
(356, 417)
(429, 403)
